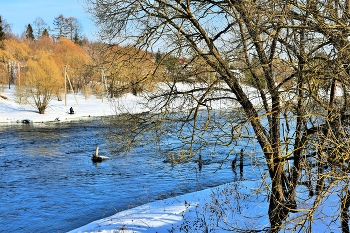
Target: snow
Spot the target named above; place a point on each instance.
(13, 112)
(209, 210)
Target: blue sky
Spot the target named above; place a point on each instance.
(20, 13)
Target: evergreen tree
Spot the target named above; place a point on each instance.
(158, 57)
(29, 33)
(2, 34)
(45, 33)
(76, 38)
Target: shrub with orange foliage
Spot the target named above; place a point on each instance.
(128, 70)
(43, 80)
(67, 53)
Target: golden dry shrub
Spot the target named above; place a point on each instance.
(69, 54)
(12, 60)
(43, 80)
(19, 50)
(44, 43)
(128, 70)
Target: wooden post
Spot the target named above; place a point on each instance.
(200, 162)
(241, 163)
(10, 73)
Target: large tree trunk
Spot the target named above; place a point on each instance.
(344, 211)
(277, 210)
(281, 202)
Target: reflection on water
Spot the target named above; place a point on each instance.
(48, 182)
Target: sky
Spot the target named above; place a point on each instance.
(20, 13)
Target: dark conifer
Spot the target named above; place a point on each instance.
(2, 34)
(29, 33)
(45, 33)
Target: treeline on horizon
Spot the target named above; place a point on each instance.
(43, 66)
(124, 67)
(62, 26)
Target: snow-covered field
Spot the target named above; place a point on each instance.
(13, 112)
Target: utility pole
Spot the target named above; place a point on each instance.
(19, 81)
(103, 82)
(71, 87)
(65, 85)
(10, 73)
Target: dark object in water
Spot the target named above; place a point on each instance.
(96, 158)
(233, 164)
(25, 121)
(234, 161)
(241, 159)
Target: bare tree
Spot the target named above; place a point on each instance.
(299, 118)
(68, 27)
(74, 28)
(39, 27)
(61, 26)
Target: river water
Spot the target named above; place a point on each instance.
(48, 182)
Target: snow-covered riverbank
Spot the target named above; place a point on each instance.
(227, 208)
(13, 112)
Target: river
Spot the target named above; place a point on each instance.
(48, 182)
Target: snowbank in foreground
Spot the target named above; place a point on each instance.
(225, 208)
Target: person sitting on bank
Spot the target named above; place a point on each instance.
(71, 111)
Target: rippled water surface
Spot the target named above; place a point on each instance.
(48, 182)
